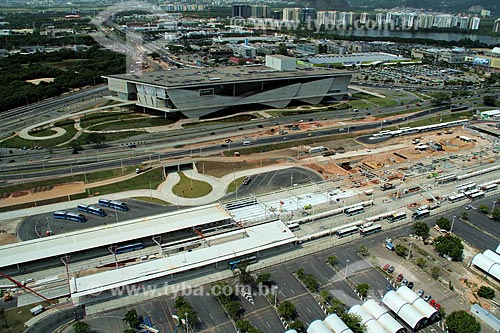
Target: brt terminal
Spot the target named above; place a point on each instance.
(202, 91)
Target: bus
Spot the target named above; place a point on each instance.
(456, 197)
(466, 187)
(347, 231)
(477, 195)
(233, 264)
(92, 210)
(113, 204)
(354, 210)
(397, 217)
(70, 216)
(489, 187)
(446, 178)
(293, 226)
(420, 214)
(129, 248)
(370, 230)
(380, 217)
(470, 193)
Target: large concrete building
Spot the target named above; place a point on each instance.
(202, 91)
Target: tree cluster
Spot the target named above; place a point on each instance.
(449, 245)
(443, 223)
(421, 229)
(462, 322)
(309, 280)
(486, 292)
(132, 319)
(185, 310)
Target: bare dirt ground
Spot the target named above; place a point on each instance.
(20, 197)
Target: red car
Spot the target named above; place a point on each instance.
(432, 302)
(386, 267)
(437, 306)
(400, 277)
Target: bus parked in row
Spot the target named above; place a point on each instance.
(92, 210)
(113, 204)
(70, 216)
(354, 210)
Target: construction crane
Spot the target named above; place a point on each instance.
(21, 285)
(199, 233)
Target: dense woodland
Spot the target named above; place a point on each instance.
(69, 68)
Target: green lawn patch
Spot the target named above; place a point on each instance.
(17, 142)
(235, 184)
(442, 118)
(142, 181)
(92, 119)
(107, 137)
(16, 318)
(191, 188)
(42, 132)
(152, 200)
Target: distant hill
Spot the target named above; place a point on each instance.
(325, 4)
(453, 6)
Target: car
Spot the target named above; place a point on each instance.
(427, 298)
(410, 285)
(260, 126)
(341, 129)
(391, 269)
(432, 302)
(388, 287)
(131, 145)
(285, 138)
(12, 161)
(468, 207)
(224, 145)
(47, 157)
(240, 128)
(437, 306)
(386, 267)
(212, 133)
(400, 277)
(420, 293)
(404, 282)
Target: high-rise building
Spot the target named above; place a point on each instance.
(291, 14)
(464, 23)
(261, 11)
(307, 15)
(244, 11)
(474, 23)
(380, 19)
(496, 26)
(327, 18)
(363, 18)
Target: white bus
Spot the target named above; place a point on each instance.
(354, 210)
(397, 217)
(489, 187)
(420, 214)
(477, 195)
(456, 197)
(347, 231)
(466, 187)
(370, 230)
(293, 226)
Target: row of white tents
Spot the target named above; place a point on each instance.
(488, 262)
(404, 303)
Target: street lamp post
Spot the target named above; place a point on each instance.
(452, 223)
(275, 295)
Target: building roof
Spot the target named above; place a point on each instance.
(223, 247)
(336, 324)
(487, 265)
(66, 243)
(498, 249)
(318, 326)
(371, 324)
(490, 113)
(182, 78)
(492, 256)
(408, 313)
(382, 316)
(486, 317)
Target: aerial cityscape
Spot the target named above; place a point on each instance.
(219, 166)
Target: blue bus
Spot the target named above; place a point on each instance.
(92, 210)
(113, 204)
(129, 248)
(70, 216)
(236, 262)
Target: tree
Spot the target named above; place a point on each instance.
(401, 250)
(244, 276)
(332, 260)
(486, 292)
(81, 327)
(443, 223)
(264, 279)
(297, 325)
(287, 310)
(353, 321)
(440, 98)
(489, 100)
(244, 326)
(484, 209)
(496, 214)
(95, 138)
(185, 310)
(362, 289)
(462, 322)
(234, 309)
(449, 245)
(132, 319)
(363, 250)
(421, 262)
(421, 229)
(435, 272)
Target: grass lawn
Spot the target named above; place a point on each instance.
(235, 184)
(16, 318)
(152, 200)
(17, 142)
(382, 101)
(191, 188)
(219, 169)
(443, 118)
(107, 137)
(42, 133)
(142, 181)
(92, 119)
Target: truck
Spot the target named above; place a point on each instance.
(387, 186)
(36, 310)
(390, 246)
(142, 168)
(328, 153)
(318, 149)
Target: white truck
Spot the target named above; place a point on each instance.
(318, 149)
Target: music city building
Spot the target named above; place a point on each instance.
(198, 92)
